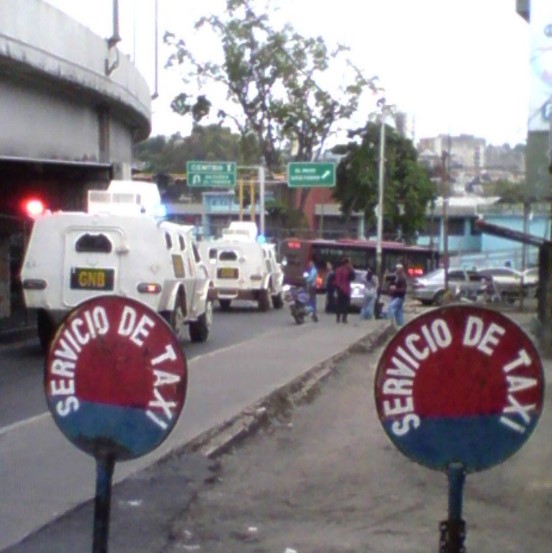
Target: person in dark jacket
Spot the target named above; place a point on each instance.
(344, 275)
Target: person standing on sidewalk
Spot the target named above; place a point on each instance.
(344, 275)
(397, 291)
(310, 281)
(370, 293)
(330, 288)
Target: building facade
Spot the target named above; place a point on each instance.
(71, 108)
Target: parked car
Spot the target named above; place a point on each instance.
(357, 290)
(531, 281)
(430, 289)
(507, 283)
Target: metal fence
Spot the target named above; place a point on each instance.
(499, 258)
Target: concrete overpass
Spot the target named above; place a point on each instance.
(71, 108)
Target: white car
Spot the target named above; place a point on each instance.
(531, 281)
(117, 247)
(243, 269)
(357, 290)
(507, 283)
(430, 289)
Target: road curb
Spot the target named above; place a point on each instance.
(218, 440)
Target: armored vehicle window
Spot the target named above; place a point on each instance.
(212, 254)
(181, 242)
(94, 243)
(228, 255)
(197, 257)
(168, 240)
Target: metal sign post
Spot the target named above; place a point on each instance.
(115, 384)
(459, 389)
(453, 530)
(102, 503)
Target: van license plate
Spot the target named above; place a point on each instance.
(227, 272)
(92, 279)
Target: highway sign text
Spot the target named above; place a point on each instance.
(217, 174)
(310, 173)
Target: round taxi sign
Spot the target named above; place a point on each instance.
(115, 378)
(459, 384)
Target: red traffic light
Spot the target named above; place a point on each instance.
(33, 207)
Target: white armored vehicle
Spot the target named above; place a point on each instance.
(242, 268)
(119, 246)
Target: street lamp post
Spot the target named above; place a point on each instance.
(385, 110)
(381, 176)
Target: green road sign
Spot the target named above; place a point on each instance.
(310, 173)
(217, 174)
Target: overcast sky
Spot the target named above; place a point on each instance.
(454, 66)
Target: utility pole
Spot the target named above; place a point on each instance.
(261, 176)
(381, 176)
(444, 191)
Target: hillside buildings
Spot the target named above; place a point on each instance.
(471, 162)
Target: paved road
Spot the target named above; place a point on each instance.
(21, 367)
(55, 477)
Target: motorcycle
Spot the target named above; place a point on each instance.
(298, 299)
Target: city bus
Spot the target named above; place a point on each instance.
(295, 254)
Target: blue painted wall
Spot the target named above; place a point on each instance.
(477, 249)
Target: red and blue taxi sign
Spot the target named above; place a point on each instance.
(115, 378)
(459, 384)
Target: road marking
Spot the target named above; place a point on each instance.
(4, 430)
(231, 346)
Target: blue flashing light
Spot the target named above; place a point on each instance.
(261, 239)
(160, 210)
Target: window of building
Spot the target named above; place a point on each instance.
(456, 226)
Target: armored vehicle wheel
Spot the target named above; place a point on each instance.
(45, 329)
(199, 330)
(225, 304)
(177, 316)
(264, 300)
(277, 301)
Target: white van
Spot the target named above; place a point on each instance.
(242, 268)
(118, 247)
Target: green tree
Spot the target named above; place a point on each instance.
(272, 80)
(508, 192)
(407, 187)
(212, 142)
